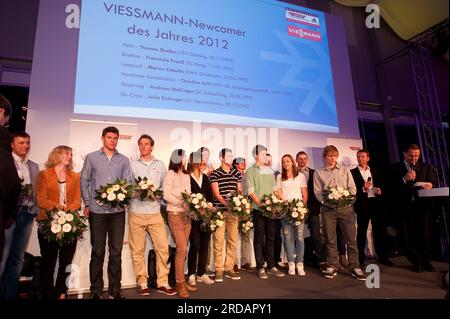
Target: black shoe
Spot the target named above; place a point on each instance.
(417, 268)
(116, 295)
(429, 267)
(95, 295)
(386, 262)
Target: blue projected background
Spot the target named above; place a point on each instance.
(258, 63)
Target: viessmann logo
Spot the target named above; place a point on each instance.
(293, 15)
(304, 33)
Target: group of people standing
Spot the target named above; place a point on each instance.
(58, 186)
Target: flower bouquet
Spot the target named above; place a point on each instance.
(273, 207)
(296, 212)
(63, 227)
(245, 226)
(114, 195)
(145, 189)
(337, 197)
(26, 194)
(212, 222)
(240, 206)
(199, 207)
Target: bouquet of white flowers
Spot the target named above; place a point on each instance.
(114, 195)
(212, 222)
(296, 212)
(199, 207)
(337, 197)
(63, 227)
(145, 189)
(245, 226)
(240, 206)
(273, 207)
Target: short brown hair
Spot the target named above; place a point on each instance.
(329, 149)
(110, 129)
(413, 147)
(16, 134)
(363, 150)
(301, 153)
(55, 156)
(146, 136)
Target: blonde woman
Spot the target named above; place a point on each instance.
(58, 186)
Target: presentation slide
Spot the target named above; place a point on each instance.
(255, 63)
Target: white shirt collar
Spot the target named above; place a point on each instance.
(153, 159)
(199, 181)
(17, 158)
(364, 170)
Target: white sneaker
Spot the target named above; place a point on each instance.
(300, 269)
(205, 279)
(291, 270)
(265, 265)
(191, 280)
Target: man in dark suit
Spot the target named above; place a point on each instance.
(10, 182)
(315, 241)
(369, 207)
(405, 179)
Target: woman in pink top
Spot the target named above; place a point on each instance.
(177, 181)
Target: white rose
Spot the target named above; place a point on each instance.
(67, 228)
(219, 223)
(61, 220)
(195, 201)
(294, 209)
(55, 217)
(334, 191)
(120, 197)
(294, 214)
(110, 190)
(197, 206)
(56, 228)
(297, 223)
(212, 227)
(141, 183)
(153, 188)
(61, 213)
(330, 196)
(69, 217)
(104, 195)
(239, 209)
(247, 205)
(346, 193)
(150, 182)
(111, 197)
(244, 201)
(219, 214)
(251, 224)
(116, 187)
(340, 189)
(204, 205)
(269, 209)
(124, 191)
(238, 203)
(199, 196)
(303, 211)
(268, 202)
(144, 186)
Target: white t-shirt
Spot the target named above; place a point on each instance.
(291, 188)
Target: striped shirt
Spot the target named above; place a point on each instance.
(228, 182)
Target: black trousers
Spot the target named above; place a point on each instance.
(264, 240)
(199, 245)
(49, 253)
(316, 252)
(2, 231)
(374, 213)
(416, 231)
(111, 225)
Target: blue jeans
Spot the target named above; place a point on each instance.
(293, 237)
(16, 239)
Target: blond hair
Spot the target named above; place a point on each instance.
(330, 149)
(55, 157)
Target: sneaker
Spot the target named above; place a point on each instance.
(265, 265)
(300, 269)
(236, 268)
(274, 271)
(205, 279)
(291, 270)
(323, 267)
(143, 290)
(262, 274)
(281, 264)
(166, 289)
(191, 280)
(358, 274)
(232, 275)
(116, 295)
(247, 267)
(219, 276)
(330, 273)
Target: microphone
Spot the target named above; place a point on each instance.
(412, 165)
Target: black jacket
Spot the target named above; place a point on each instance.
(313, 203)
(9, 180)
(362, 200)
(403, 196)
